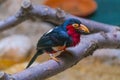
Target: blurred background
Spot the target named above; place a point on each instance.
(18, 44)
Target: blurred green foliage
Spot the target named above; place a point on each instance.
(108, 11)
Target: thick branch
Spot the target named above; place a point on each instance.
(69, 58)
(104, 40)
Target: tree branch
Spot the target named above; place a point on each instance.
(55, 16)
(58, 16)
(17, 18)
(68, 58)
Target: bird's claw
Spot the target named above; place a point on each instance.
(56, 59)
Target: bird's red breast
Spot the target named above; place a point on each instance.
(73, 34)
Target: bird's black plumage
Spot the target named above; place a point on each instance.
(58, 36)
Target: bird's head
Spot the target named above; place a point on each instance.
(76, 25)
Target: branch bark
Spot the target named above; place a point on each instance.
(58, 16)
(68, 58)
(55, 16)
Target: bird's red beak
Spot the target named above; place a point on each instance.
(83, 29)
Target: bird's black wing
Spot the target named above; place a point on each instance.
(55, 37)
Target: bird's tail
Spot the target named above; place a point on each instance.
(39, 52)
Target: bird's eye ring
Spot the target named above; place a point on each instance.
(75, 25)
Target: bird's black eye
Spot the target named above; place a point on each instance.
(75, 25)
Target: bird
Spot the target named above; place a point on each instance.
(59, 38)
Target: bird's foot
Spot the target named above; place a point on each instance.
(54, 58)
(60, 48)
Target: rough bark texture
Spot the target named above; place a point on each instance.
(108, 38)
